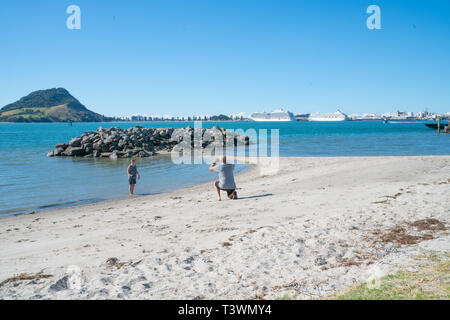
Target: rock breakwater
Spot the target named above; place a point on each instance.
(144, 142)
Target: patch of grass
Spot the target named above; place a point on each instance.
(430, 282)
(32, 112)
(286, 297)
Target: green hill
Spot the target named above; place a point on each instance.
(53, 105)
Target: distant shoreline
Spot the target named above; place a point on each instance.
(247, 120)
(159, 121)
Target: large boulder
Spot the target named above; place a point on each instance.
(100, 146)
(109, 140)
(88, 149)
(75, 142)
(74, 152)
(61, 145)
(147, 147)
(58, 152)
(114, 155)
(87, 139)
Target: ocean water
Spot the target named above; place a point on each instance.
(29, 181)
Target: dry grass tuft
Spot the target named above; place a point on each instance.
(428, 224)
(405, 235)
(25, 277)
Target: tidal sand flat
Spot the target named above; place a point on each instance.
(316, 227)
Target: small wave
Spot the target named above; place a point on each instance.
(20, 211)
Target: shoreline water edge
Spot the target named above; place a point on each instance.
(317, 226)
(33, 182)
(242, 169)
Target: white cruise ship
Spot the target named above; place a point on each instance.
(277, 115)
(337, 116)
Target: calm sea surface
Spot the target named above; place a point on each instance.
(29, 181)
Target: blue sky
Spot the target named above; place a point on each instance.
(227, 56)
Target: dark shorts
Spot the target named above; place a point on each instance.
(132, 180)
(228, 191)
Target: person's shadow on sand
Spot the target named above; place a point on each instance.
(254, 197)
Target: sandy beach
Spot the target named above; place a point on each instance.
(317, 226)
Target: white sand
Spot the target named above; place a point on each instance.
(306, 231)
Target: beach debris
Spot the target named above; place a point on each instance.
(349, 263)
(399, 236)
(411, 232)
(142, 142)
(134, 264)
(25, 277)
(115, 262)
(395, 196)
(428, 224)
(386, 201)
(382, 242)
(320, 261)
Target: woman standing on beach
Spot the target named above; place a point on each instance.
(132, 172)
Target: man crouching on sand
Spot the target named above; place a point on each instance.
(226, 178)
(132, 172)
